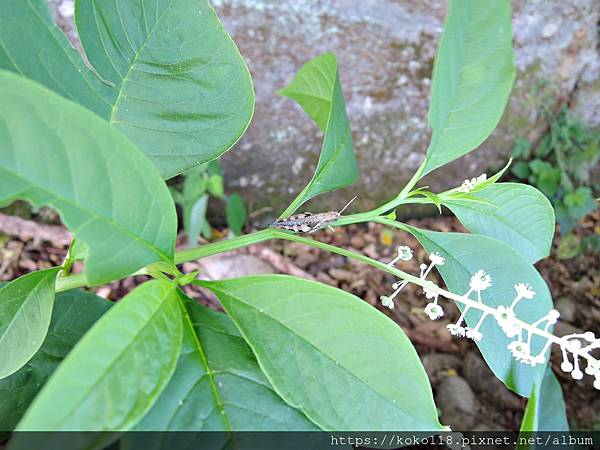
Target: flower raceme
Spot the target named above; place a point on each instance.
(576, 348)
(469, 185)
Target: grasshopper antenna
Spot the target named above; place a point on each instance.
(348, 204)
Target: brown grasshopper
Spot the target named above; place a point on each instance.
(308, 222)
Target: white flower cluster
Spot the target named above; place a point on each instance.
(469, 185)
(575, 348)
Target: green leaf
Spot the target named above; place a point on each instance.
(546, 410)
(491, 180)
(168, 75)
(434, 198)
(475, 185)
(25, 312)
(547, 177)
(538, 166)
(236, 213)
(218, 385)
(56, 153)
(544, 147)
(465, 254)
(215, 186)
(569, 247)
(195, 184)
(521, 170)
(391, 216)
(522, 148)
(472, 78)
(318, 91)
(196, 218)
(582, 198)
(73, 315)
(574, 207)
(117, 370)
(463, 197)
(516, 214)
(79, 250)
(341, 362)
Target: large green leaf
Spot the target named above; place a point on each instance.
(55, 152)
(472, 78)
(218, 385)
(73, 314)
(330, 355)
(25, 312)
(516, 214)
(546, 410)
(168, 74)
(117, 370)
(317, 89)
(465, 254)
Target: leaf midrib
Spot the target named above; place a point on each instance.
(301, 408)
(137, 54)
(62, 47)
(443, 122)
(28, 296)
(208, 369)
(134, 338)
(500, 219)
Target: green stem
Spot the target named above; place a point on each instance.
(391, 223)
(411, 183)
(401, 199)
(71, 282)
(223, 246)
(370, 216)
(348, 253)
(80, 280)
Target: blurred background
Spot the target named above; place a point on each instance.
(385, 49)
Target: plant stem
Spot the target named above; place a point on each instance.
(411, 183)
(80, 280)
(223, 246)
(400, 199)
(71, 282)
(348, 253)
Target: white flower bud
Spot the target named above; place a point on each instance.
(566, 366)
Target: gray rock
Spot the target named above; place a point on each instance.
(457, 403)
(563, 328)
(385, 50)
(484, 382)
(232, 265)
(567, 309)
(437, 362)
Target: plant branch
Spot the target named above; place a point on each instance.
(78, 280)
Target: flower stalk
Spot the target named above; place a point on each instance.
(576, 348)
